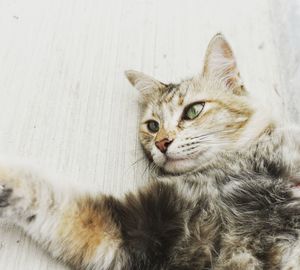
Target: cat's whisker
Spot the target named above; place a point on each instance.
(193, 139)
(146, 169)
(153, 171)
(210, 133)
(138, 160)
(203, 142)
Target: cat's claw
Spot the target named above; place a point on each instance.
(5, 194)
(13, 203)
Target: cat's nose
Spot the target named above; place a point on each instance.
(163, 144)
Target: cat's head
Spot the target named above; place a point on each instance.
(185, 126)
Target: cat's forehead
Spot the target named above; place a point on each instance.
(169, 102)
(179, 95)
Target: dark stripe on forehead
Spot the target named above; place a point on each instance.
(169, 92)
(170, 87)
(180, 99)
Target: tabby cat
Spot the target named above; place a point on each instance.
(224, 196)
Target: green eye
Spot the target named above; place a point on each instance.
(153, 126)
(193, 110)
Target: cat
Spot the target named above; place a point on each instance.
(224, 196)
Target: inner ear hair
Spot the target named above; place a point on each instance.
(143, 82)
(220, 63)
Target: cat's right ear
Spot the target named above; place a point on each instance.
(142, 82)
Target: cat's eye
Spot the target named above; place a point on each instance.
(193, 110)
(153, 126)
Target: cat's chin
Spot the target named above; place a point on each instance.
(179, 165)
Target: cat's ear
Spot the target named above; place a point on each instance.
(142, 82)
(220, 63)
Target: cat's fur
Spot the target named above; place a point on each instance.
(223, 197)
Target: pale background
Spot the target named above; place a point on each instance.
(66, 104)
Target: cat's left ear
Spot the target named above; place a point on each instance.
(220, 63)
(142, 82)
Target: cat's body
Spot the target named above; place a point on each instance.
(223, 199)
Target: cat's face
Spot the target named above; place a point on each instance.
(185, 126)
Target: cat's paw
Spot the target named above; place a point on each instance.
(7, 202)
(12, 199)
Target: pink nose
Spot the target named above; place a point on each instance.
(163, 144)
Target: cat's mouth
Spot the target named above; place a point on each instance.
(170, 158)
(177, 165)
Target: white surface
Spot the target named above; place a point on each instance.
(66, 104)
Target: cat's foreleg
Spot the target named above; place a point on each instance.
(74, 227)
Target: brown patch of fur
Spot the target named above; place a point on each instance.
(180, 99)
(240, 110)
(239, 90)
(268, 130)
(274, 257)
(180, 125)
(237, 128)
(83, 229)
